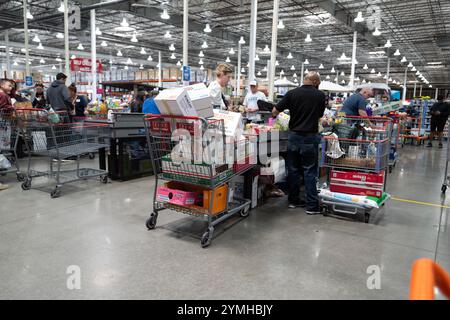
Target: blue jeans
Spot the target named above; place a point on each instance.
(303, 160)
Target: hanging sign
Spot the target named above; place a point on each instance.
(84, 65)
(186, 73)
(74, 18)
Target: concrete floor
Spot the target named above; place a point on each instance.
(274, 254)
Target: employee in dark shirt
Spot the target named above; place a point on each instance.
(439, 116)
(306, 106)
(355, 105)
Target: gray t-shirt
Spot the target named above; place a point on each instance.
(353, 104)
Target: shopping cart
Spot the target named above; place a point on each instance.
(395, 142)
(358, 145)
(9, 139)
(190, 161)
(446, 182)
(51, 135)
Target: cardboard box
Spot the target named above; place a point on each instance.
(232, 121)
(357, 183)
(175, 101)
(176, 196)
(201, 98)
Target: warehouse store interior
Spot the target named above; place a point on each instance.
(239, 149)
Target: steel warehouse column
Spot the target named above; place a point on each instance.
(388, 69)
(252, 48)
(420, 92)
(415, 88)
(404, 85)
(8, 61)
(273, 53)
(352, 74)
(93, 57)
(437, 93)
(302, 74)
(159, 70)
(25, 30)
(66, 39)
(185, 35)
(238, 80)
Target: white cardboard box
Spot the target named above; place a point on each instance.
(175, 101)
(232, 121)
(201, 98)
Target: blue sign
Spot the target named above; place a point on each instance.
(186, 73)
(28, 81)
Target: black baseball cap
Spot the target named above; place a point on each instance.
(61, 76)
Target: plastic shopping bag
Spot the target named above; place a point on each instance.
(4, 163)
(334, 150)
(5, 138)
(53, 117)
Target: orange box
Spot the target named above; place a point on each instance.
(219, 203)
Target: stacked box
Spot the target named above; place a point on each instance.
(357, 183)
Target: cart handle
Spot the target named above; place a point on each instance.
(172, 116)
(368, 118)
(355, 140)
(425, 276)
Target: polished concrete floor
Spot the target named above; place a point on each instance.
(276, 253)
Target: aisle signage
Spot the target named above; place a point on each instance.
(84, 65)
(28, 81)
(186, 73)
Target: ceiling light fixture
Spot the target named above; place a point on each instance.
(202, 68)
(242, 70)
(328, 77)
(141, 67)
(359, 17)
(328, 49)
(231, 51)
(343, 74)
(388, 44)
(306, 71)
(165, 15)
(293, 68)
(36, 38)
(266, 49)
(125, 68)
(124, 23)
(241, 40)
(53, 67)
(306, 61)
(289, 56)
(321, 66)
(42, 61)
(80, 46)
(205, 45)
(58, 59)
(372, 71)
(73, 57)
(201, 54)
(308, 38)
(178, 63)
(333, 70)
(201, 61)
(280, 24)
(129, 61)
(149, 58)
(259, 73)
(104, 44)
(410, 65)
(397, 52)
(228, 60)
(207, 28)
(167, 35)
(294, 75)
(282, 72)
(403, 60)
(414, 69)
(98, 31)
(376, 33)
(172, 47)
(173, 56)
(143, 51)
(366, 67)
(119, 53)
(134, 38)
(40, 46)
(59, 35)
(256, 58)
(29, 15)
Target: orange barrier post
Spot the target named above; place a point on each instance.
(426, 276)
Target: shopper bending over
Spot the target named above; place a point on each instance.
(355, 105)
(223, 74)
(439, 116)
(306, 106)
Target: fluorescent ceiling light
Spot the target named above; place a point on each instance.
(80, 46)
(143, 51)
(53, 67)
(432, 63)
(178, 63)
(280, 24)
(256, 58)
(134, 39)
(42, 61)
(40, 47)
(104, 44)
(388, 44)
(201, 54)
(61, 7)
(333, 70)
(129, 61)
(293, 68)
(376, 33)
(165, 15)
(306, 61)
(167, 35)
(328, 49)
(372, 71)
(403, 60)
(172, 47)
(149, 58)
(289, 56)
(366, 67)
(359, 17)
(29, 15)
(242, 70)
(228, 60)
(207, 28)
(59, 35)
(308, 38)
(241, 40)
(58, 59)
(98, 32)
(397, 52)
(173, 56)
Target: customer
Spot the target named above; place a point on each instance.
(39, 97)
(6, 87)
(149, 106)
(306, 106)
(223, 76)
(355, 105)
(138, 102)
(439, 116)
(58, 95)
(251, 101)
(79, 101)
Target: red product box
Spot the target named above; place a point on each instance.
(357, 183)
(179, 197)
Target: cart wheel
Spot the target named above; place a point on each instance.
(390, 169)
(245, 212)
(206, 239)
(91, 155)
(20, 177)
(26, 185)
(104, 179)
(55, 193)
(366, 217)
(151, 222)
(444, 188)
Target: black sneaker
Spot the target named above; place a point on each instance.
(293, 205)
(429, 145)
(313, 212)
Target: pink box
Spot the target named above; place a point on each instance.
(179, 197)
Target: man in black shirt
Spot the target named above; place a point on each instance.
(306, 106)
(439, 116)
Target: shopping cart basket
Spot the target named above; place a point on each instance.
(51, 135)
(191, 160)
(9, 139)
(364, 148)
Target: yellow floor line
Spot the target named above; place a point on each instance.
(421, 203)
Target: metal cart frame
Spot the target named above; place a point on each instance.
(9, 139)
(159, 130)
(51, 135)
(446, 182)
(382, 139)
